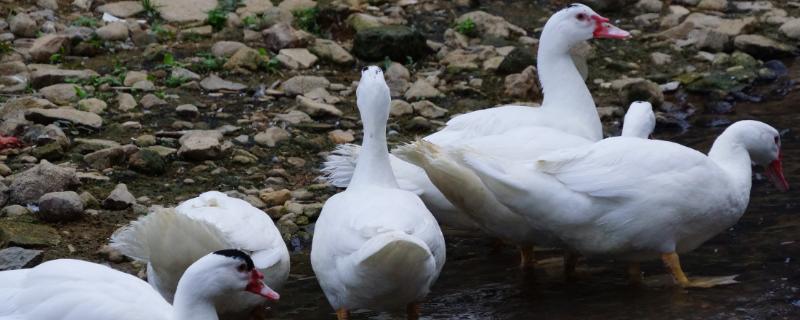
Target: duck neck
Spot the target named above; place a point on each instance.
(193, 300)
(731, 155)
(565, 93)
(373, 167)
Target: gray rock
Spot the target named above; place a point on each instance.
(14, 210)
(791, 28)
(294, 5)
(15, 258)
(214, 83)
(316, 108)
(60, 207)
(421, 89)
(201, 145)
(491, 25)
(762, 47)
(43, 178)
(147, 162)
(4, 195)
(184, 74)
(716, 5)
(77, 117)
(523, 85)
(119, 199)
(150, 101)
(225, 49)
(271, 137)
(109, 157)
(115, 31)
(331, 51)
(282, 35)
(428, 109)
(400, 108)
(396, 42)
(41, 77)
(126, 102)
(45, 46)
(188, 111)
(245, 59)
(48, 4)
(61, 94)
(184, 10)
(144, 85)
(22, 25)
(296, 58)
(92, 105)
(133, 77)
(299, 85)
(122, 9)
(642, 90)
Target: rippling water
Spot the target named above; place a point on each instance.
(480, 281)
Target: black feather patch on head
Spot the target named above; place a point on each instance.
(573, 5)
(237, 254)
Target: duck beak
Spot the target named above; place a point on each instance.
(775, 174)
(603, 29)
(257, 286)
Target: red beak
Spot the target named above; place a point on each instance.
(603, 29)
(258, 287)
(775, 173)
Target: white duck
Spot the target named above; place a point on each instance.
(376, 246)
(568, 106)
(638, 199)
(467, 192)
(78, 290)
(170, 240)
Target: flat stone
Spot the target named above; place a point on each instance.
(340, 136)
(201, 145)
(115, 31)
(225, 49)
(271, 137)
(762, 47)
(294, 117)
(61, 94)
(92, 105)
(125, 102)
(254, 7)
(16, 258)
(400, 108)
(294, 5)
(109, 157)
(331, 51)
(421, 89)
(81, 118)
(29, 235)
(184, 10)
(22, 25)
(428, 109)
(151, 101)
(45, 46)
(122, 9)
(299, 85)
(214, 83)
(133, 77)
(42, 77)
(315, 108)
(296, 58)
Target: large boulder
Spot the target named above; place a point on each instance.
(43, 178)
(77, 117)
(396, 42)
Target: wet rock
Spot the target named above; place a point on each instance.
(642, 90)
(61, 94)
(46, 46)
(225, 49)
(184, 10)
(16, 258)
(50, 151)
(122, 9)
(282, 35)
(147, 162)
(125, 102)
(214, 83)
(245, 58)
(115, 31)
(201, 145)
(187, 111)
(296, 58)
(428, 109)
(119, 199)
(339, 136)
(41, 77)
(271, 137)
(43, 178)
(421, 89)
(400, 108)
(92, 105)
(762, 47)
(331, 51)
(133, 77)
(315, 108)
(299, 85)
(22, 25)
(395, 42)
(293, 117)
(523, 85)
(275, 198)
(60, 207)
(491, 25)
(397, 78)
(109, 157)
(791, 28)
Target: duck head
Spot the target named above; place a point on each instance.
(232, 270)
(578, 22)
(763, 143)
(372, 96)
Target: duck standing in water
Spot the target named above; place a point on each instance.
(376, 246)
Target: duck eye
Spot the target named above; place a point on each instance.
(364, 69)
(778, 140)
(581, 17)
(242, 267)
